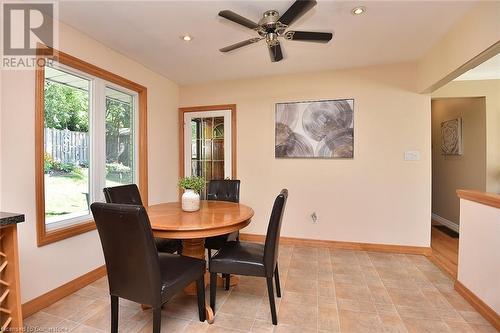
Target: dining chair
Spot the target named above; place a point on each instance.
(129, 194)
(253, 259)
(136, 270)
(222, 190)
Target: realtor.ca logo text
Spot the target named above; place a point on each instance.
(26, 28)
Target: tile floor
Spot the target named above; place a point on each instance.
(323, 290)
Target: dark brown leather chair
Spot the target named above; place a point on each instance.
(222, 190)
(253, 259)
(136, 271)
(129, 194)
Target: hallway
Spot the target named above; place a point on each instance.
(444, 249)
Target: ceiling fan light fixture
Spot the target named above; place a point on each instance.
(358, 10)
(273, 26)
(186, 38)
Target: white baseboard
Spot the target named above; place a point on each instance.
(445, 222)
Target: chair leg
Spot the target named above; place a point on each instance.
(270, 292)
(209, 254)
(200, 290)
(277, 281)
(227, 278)
(213, 290)
(114, 314)
(157, 320)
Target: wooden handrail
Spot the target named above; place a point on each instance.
(488, 199)
(2, 267)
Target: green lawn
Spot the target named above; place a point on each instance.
(66, 193)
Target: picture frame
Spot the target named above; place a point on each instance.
(315, 129)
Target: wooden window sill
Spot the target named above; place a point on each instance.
(49, 237)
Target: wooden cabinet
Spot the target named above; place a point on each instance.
(10, 301)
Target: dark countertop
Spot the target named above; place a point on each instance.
(10, 218)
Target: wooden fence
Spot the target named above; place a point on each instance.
(67, 146)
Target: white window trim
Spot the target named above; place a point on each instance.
(97, 123)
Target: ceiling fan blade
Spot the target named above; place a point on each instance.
(232, 16)
(275, 52)
(240, 44)
(299, 8)
(309, 36)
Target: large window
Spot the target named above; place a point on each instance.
(67, 140)
(90, 134)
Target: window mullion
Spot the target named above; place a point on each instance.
(98, 172)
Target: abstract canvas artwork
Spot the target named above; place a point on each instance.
(320, 129)
(451, 137)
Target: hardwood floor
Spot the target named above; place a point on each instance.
(444, 251)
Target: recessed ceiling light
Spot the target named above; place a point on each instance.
(358, 10)
(187, 38)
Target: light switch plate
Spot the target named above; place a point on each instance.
(412, 155)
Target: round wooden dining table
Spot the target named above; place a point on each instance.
(214, 218)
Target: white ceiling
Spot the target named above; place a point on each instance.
(488, 70)
(148, 32)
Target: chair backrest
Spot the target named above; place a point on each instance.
(224, 190)
(124, 194)
(129, 251)
(273, 232)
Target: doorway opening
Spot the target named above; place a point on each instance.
(465, 151)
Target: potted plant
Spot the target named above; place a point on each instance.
(192, 187)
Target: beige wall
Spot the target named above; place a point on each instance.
(452, 172)
(1, 159)
(478, 30)
(479, 253)
(377, 197)
(490, 89)
(48, 267)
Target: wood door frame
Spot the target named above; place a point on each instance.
(45, 237)
(184, 110)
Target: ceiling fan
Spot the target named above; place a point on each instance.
(273, 26)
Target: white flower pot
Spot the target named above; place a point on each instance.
(190, 201)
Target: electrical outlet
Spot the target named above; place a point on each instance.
(314, 217)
